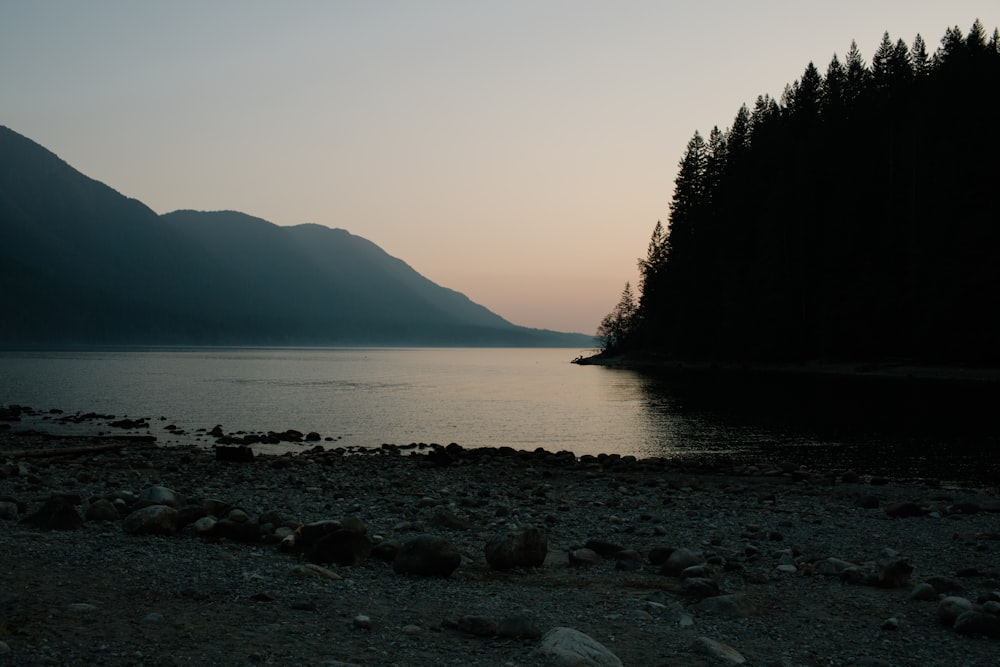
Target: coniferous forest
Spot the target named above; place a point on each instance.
(855, 218)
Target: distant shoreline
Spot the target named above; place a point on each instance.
(884, 370)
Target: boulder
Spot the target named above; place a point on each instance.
(160, 495)
(566, 647)
(680, 560)
(974, 622)
(58, 513)
(151, 520)
(102, 510)
(343, 547)
(526, 547)
(426, 555)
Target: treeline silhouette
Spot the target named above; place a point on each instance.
(856, 217)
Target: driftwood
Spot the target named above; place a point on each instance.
(67, 451)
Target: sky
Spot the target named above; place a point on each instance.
(519, 152)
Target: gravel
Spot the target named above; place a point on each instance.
(96, 595)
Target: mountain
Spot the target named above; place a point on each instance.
(81, 264)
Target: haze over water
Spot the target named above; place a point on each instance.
(521, 398)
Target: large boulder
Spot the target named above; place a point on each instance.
(426, 555)
(526, 547)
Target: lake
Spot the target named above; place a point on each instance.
(522, 398)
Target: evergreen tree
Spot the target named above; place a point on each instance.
(919, 59)
(617, 326)
(807, 98)
(738, 137)
(856, 82)
(833, 88)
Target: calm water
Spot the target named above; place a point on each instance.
(515, 397)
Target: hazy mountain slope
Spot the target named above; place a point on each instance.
(82, 264)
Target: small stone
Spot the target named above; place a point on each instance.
(723, 653)
(153, 617)
(81, 608)
(362, 622)
(315, 571)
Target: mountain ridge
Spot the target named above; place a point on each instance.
(84, 264)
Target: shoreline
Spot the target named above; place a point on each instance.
(987, 377)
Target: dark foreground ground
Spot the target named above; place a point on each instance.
(791, 567)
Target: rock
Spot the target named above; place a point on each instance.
(974, 622)
(904, 508)
(732, 606)
(8, 511)
(605, 549)
(314, 571)
(945, 584)
(628, 560)
(152, 617)
(426, 555)
(696, 571)
(719, 652)
(81, 608)
(893, 570)
(311, 533)
(950, 608)
(518, 626)
(445, 519)
(584, 557)
(699, 587)
(867, 502)
(362, 622)
(526, 547)
(205, 526)
(480, 626)
(832, 567)
(238, 454)
(102, 510)
(566, 647)
(923, 591)
(247, 532)
(680, 560)
(160, 495)
(151, 520)
(343, 547)
(58, 513)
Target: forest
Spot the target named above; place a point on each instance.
(855, 218)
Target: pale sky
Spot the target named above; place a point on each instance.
(519, 152)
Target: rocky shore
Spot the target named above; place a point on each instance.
(118, 551)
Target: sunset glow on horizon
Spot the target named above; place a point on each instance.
(520, 153)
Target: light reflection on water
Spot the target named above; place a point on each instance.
(518, 398)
